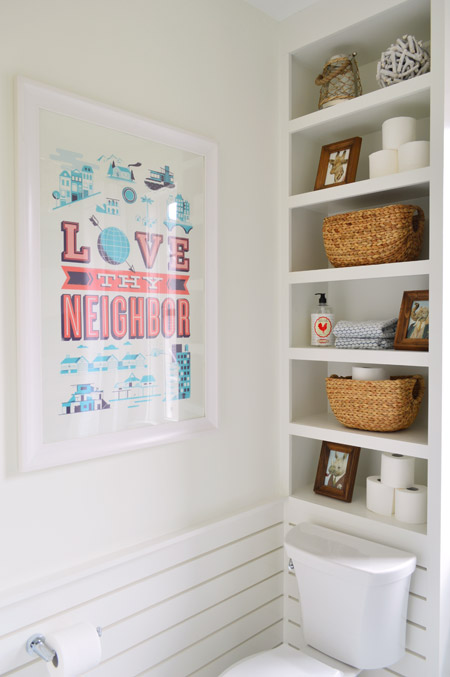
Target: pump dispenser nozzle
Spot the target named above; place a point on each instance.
(323, 298)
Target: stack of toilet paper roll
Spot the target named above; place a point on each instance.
(394, 492)
(401, 151)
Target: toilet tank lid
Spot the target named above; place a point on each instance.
(348, 556)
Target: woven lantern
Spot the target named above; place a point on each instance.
(339, 80)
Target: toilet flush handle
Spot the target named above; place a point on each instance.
(291, 565)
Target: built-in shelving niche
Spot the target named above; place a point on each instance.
(360, 292)
(305, 458)
(311, 415)
(368, 39)
(307, 247)
(307, 143)
(366, 299)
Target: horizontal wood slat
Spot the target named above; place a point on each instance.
(130, 601)
(293, 634)
(411, 666)
(49, 597)
(183, 662)
(138, 628)
(230, 585)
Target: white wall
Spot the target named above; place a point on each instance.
(208, 66)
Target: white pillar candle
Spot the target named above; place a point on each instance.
(397, 131)
(382, 163)
(413, 155)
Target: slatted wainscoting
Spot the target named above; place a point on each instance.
(189, 605)
(413, 664)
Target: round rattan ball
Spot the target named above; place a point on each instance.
(405, 59)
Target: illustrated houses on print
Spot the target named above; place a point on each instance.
(85, 398)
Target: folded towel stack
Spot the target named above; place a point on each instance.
(368, 335)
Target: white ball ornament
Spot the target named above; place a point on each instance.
(405, 59)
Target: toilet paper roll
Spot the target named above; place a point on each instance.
(78, 650)
(397, 471)
(413, 155)
(397, 131)
(379, 497)
(382, 163)
(369, 374)
(411, 504)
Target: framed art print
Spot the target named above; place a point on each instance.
(336, 471)
(338, 163)
(116, 279)
(414, 320)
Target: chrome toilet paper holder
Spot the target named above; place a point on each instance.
(36, 646)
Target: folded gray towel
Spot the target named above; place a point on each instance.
(367, 329)
(364, 343)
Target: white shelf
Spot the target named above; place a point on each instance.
(370, 192)
(366, 113)
(356, 509)
(324, 426)
(391, 357)
(381, 271)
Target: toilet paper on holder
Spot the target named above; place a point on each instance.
(69, 652)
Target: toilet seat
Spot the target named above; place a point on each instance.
(285, 661)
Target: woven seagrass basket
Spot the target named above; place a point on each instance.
(379, 406)
(371, 236)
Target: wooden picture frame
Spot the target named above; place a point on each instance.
(338, 163)
(336, 471)
(413, 322)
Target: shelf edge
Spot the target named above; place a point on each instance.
(366, 102)
(359, 438)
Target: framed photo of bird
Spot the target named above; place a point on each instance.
(338, 163)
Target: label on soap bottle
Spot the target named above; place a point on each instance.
(321, 329)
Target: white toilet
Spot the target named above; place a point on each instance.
(354, 595)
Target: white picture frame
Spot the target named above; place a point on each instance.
(56, 131)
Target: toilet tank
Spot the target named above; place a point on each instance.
(353, 595)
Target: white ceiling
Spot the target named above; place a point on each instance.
(281, 9)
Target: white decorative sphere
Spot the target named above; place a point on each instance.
(405, 59)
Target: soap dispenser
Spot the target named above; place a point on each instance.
(322, 323)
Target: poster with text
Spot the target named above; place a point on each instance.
(117, 285)
(122, 259)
